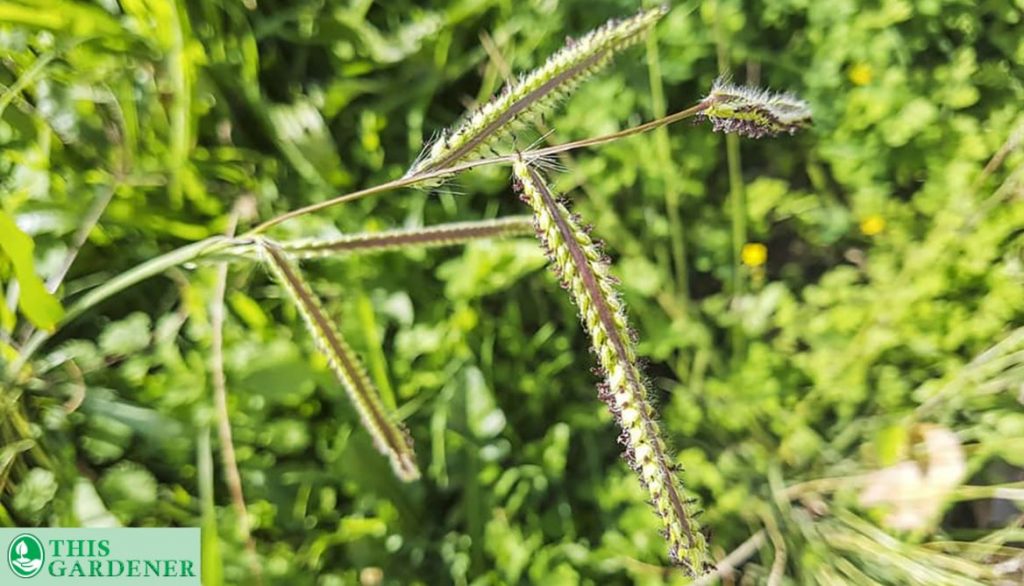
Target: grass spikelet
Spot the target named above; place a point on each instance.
(535, 92)
(583, 270)
(433, 236)
(390, 438)
(753, 112)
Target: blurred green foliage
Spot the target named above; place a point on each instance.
(888, 306)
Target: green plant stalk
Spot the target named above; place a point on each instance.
(218, 380)
(738, 209)
(737, 195)
(376, 359)
(212, 572)
(389, 437)
(663, 150)
(584, 272)
(26, 79)
(180, 72)
(500, 159)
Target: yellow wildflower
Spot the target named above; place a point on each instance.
(872, 225)
(754, 254)
(860, 74)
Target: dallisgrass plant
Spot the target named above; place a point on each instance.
(574, 255)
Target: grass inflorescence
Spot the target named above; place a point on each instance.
(753, 112)
(583, 270)
(534, 93)
(390, 437)
(428, 237)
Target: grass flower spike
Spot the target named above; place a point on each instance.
(753, 112)
(532, 94)
(583, 270)
(390, 438)
(432, 236)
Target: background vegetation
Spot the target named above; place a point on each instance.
(833, 320)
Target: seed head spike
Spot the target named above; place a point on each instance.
(584, 271)
(753, 112)
(528, 97)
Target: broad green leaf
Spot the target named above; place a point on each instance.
(35, 302)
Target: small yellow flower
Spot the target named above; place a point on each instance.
(872, 225)
(860, 74)
(754, 254)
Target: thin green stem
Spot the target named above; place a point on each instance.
(506, 159)
(180, 73)
(663, 150)
(375, 358)
(212, 572)
(27, 78)
(738, 209)
(218, 379)
(737, 193)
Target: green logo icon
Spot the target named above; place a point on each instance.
(25, 555)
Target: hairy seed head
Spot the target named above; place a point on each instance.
(532, 94)
(753, 112)
(390, 438)
(432, 236)
(583, 269)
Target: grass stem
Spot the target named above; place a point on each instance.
(737, 194)
(501, 159)
(663, 152)
(220, 401)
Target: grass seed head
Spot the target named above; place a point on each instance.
(389, 436)
(533, 94)
(753, 112)
(583, 270)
